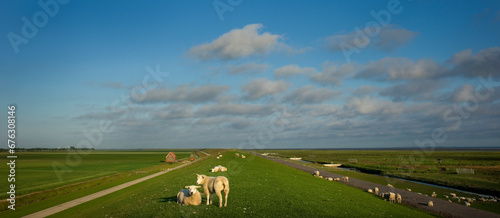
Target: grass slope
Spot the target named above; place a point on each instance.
(259, 187)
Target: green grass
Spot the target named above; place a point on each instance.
(418, 166)
(259, 187)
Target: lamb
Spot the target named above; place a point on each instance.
(345, 178)
(237, 155)
(376, 191)
(453, 195)
(467, 204)
(330, 179)
(430, 204)
(214, 185)
(189, 196)
(243, 156)
(398, 198)
(337, 179)
(434, 194)
(389, 185)
(369, 190)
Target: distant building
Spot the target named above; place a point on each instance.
(170, 157)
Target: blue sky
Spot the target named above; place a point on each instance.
(252, 74)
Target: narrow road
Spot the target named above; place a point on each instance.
(69, 204)
(441, 207)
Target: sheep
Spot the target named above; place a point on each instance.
(337, 179)
(408, 189)
(218, 157)
(189, 196)
(430, 204)
(389, 185)
(243, 156)
(237, 155)
(453, 195)
(218, 168)
(434, 194)
(315, 173)
(369, 190)
(398, 198)
(345, 178)
(376, 191)
(214, 185)
(330, 179)
(392, 197)
(467, 204)
(446, 196)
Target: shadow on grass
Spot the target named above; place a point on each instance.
(169, 199)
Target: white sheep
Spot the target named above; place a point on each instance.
(398, 198)
(430, 204)
(218, 168)
(345, 178)
(369, 190)
(337, 179)
(408, 189)
(315, 173)
(376, 190)
(189, 196)
(453, 195)
(467, 204)
(218, 157)
(214, 185)
(330, 179)
(392, 197)
(389, 185)
(243, 156)
(237, 155)
(434, 194)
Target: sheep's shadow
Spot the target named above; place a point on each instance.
(169, 199)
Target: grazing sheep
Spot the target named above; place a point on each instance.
(320, 177)
(315, 173)
(237, 155)
(189, 196)
(392, 197)
(398, 198)
(467, 204)
(430, 204)
(214, 185)
(218, 157)
(336, 179)
(446, 196)
(376, 191)
(369, 190)
(434, 194)
(453, 195)
(345, 178)
(389, 185)
(408, 189)
(330, 179)
(243, 156)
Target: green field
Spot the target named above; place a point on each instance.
(36, 178)
(417, 166)
(259, 187)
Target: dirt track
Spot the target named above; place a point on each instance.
(441, 207)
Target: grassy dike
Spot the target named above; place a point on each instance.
(259, 187)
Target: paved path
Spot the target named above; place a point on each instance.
(441, 207)
(69, 204)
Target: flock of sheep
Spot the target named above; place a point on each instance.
(211, 185)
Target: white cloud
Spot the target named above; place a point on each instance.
(371, 105)
(310, 95)
(248, 68)
(261, 87)
(484, 63)
(331, 74)
(237, 43)
(293, 69)
(388, 38)
(185, 93)
(401, 69)
(234, 109)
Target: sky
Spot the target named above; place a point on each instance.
(251, 74)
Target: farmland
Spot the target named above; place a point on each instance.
(37, 179)
(259, 187)
(411, 165)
